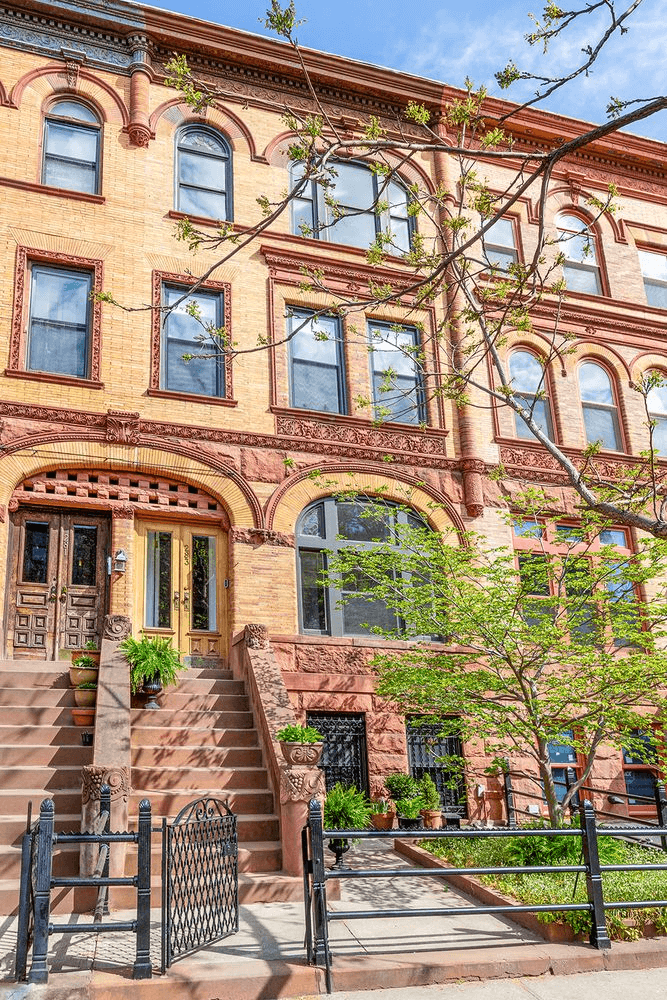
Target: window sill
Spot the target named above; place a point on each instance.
(192, 397)
(95, 199)
(362, 422)
(80, 383)
(203, 220)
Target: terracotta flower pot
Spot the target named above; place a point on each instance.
(82, 675)
(83, 716)
(432, 819)
(86, 697)
(302, 753)
(94, 654)
(383, 821)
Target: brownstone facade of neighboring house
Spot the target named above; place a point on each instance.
(199, 474)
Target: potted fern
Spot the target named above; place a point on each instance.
(344, 809)
(154, 665)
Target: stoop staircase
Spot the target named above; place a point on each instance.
(41, 756)
(202, 742)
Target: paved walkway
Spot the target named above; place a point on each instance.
(265, 960)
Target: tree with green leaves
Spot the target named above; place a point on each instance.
(564, 642)
(485, 297)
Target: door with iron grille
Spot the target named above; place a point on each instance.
(345, 756)
(200, 882)
(425, 746)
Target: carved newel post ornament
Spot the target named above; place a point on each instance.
(299, 783)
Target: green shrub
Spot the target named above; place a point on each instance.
(346, 809)
(429, 794)
(409, 808)
(402, 786)
(151, 658)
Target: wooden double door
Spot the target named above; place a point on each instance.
(181, 589)
(58, 582)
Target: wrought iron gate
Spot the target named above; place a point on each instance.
(345, 757)
(425, 745)
(200, 883)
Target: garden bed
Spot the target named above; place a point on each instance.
(503, 890)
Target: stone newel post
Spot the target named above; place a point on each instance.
(299, 783)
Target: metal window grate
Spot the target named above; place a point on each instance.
(345, 756)
(425, 745)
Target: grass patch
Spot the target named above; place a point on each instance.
(566, 887)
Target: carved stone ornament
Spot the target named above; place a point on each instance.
(72, 71)
(300, 784)
(123, 510)
(140, 135)
(94, 776)
(117, 627)
(122, 428)
(256, 636)
(257, 536)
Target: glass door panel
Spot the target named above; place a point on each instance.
(158, 579)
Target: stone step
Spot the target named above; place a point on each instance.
(14, 801)
(184, 737)
(49, 735)
(38, 678)
(166, 718)
(205, 757)
(45, 779)
(39, 697)
(12, 826)
(65, 860)
(163, 777)
(28, 666)
(254, 887)
(211, 673)
(169, 803)
(42, 716)
(250, 828)
(260, 856)
(50, 755)
(208, 685)
(177, 700)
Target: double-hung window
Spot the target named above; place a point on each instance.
(346, 209)
(499, 245)
(529, 381)
(59, 321)
(656, 404)
(578, 244)
(640, 767)
(203, 174)
(316, 366)
(192, 360)
(599, 407)
(654, 271)
(398, 391)
(72, 148)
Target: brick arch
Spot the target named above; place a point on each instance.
(284, 507)
(647, 361)
(591, 350)
(48, 81)
(177, 113)
(223, 483)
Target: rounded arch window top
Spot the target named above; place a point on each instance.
(529, 382)
(577, 243)
(599, 407)
(203, 173)
(595, 383)
(74, 110)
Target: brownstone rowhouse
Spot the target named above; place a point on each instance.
(180, 494)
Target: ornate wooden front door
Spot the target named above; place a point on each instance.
(181, 596)
(58, 582)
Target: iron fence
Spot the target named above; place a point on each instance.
(316, 875)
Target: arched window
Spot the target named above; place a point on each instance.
(72, 147)
(576, 241)
(325, 527)
(356, 190)
(203, 173)
(656, 404)
(528, 380)
(599, 407)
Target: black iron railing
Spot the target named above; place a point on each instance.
(37, 883)
(316, 875)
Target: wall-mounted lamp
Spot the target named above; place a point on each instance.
(480, 791)
(120, 561)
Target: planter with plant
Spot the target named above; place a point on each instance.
(300, 744)
(83, 716)
(154, 665)
(402, 786)
(91, 649)
(432, 807)
(345, 809)
(409, 814)
(382, 814)
(85, 694)
(83, 670)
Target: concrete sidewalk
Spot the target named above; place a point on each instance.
(266, 959)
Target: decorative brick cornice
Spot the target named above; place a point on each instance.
(286, 266)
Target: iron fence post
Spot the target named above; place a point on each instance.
(321, 954)
(599, 937)
(307, 894)
(509, 794)
(39, 972)
(105, 806)
(142, 963)
(661, 808)
(22, 930)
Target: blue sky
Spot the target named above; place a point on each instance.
(448, 40)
